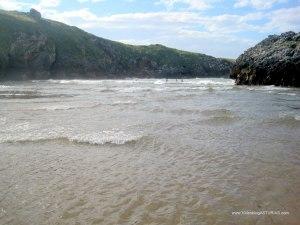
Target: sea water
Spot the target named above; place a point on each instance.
(148, 151)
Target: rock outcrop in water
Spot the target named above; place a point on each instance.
(32, 47)
(274, 61)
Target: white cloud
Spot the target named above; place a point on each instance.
(71, 16)
(46, 7)
(217, 36)
(22, 5)
(192, 4)
(222, 24)
(127, 20)
(49, 3)
(283, 20)
(93, 1)
(203, 42)
(13, 5)
(258, 4)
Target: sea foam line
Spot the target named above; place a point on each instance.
(115, 137)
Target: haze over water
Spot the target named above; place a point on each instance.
(148, 152)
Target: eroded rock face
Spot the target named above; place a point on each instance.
(35, 14)
(33, 53)
(274, 61)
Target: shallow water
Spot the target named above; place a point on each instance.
(148, 152)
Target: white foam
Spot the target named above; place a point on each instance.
(160, 82)
(211, 81)
(76, 81)
(26, 132)
(289, 116)
(56, 107)
(4, 86)
(268, 88)
(133, 89)
(67, 107)
(3, 120)
(112, 137)
(124, 103)
(283, 93)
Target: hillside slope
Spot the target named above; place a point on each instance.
(32, 47)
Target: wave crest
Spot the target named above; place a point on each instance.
(115, 137)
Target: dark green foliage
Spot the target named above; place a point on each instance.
(36, 44)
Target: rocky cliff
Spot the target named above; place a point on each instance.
(274, 61)
(32, 47)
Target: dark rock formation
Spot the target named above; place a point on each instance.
(32, 47)
(274, 61)
(35, 14)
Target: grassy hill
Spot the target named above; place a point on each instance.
(32, 47)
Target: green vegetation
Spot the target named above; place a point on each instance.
(31, 44)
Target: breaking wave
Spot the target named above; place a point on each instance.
(2, 120)
(123, 103)
(266, 88)
(181, 112)
(288, 120)
(219, 116)
(4, 86)
(217, 113)
(29, 95)
(74, 81)
(115, 137)
(66, 107)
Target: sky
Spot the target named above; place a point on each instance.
(221, 28)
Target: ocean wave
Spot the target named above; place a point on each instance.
(123, 103)
(134, 89)
(160, 82)
(3, 120)
(107, 90)
(29, 95)
(216, 121)
(58, 107)
(181, 112)
(64, 107)
(211, 81)
(67, 107)
(196, 81)
(94, 105)
(289, 117)
(75, 81)
(186, 89)
(284, 93)
(131, 80)
(115, 137)
(91, 81)
(289, 120)
(269, 88)
(156, 110)
(217, 113)
(106, 137)
(218, 116)
(4, 86)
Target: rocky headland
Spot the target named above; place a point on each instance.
(273, 61)
(32, 47)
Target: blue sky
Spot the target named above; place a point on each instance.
(222, 28)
